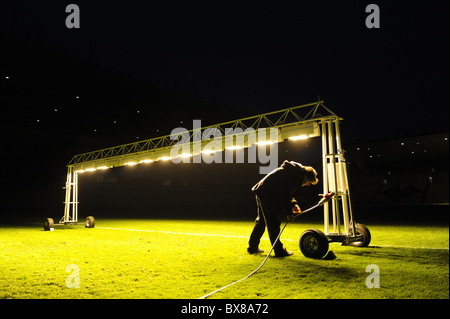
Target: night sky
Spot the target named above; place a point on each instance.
(259, 56)
(231, 58)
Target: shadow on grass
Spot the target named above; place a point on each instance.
(405, 254)
(302, 267)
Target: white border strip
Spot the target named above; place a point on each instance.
(181, 233)
(246, 237)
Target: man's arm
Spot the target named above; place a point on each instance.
(295, 209)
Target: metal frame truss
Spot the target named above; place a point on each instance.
(278, 119)
(287, 120)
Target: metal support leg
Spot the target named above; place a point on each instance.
(326, 214)
(335, 180)
(71, 199)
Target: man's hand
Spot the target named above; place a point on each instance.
(296, 209)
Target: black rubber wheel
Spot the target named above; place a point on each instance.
(313, 243)
(49, 224)
(90, 222)
(364, 231)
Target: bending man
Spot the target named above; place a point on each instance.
(275, 198)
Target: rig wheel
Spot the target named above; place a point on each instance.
(49, 224)
(90, 222)
(364, 231)
(313, 243)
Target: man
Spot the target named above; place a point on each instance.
(275, 198)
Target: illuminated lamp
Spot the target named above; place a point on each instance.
(129, 161)
(149, 156)
(161, 155)
(268, 136)
(208, 151)
(234, 147)
(236, 141)
(186, 155)
(144, 157)
(96, 165)
(264, 143)
(212, 146)
(300, 131)
(103, 167)
(240, 140)
(298, 137)
(184, 150)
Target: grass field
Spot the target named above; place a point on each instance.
(188, 259)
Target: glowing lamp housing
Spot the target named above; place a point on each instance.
(300, 131)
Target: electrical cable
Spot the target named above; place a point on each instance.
(325, 198)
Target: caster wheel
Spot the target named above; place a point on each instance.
(366, 236)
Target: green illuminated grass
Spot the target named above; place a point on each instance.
(188, 259)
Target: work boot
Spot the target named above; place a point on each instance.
(254, 250)
(283, 253)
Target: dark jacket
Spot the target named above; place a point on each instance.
(280, 185)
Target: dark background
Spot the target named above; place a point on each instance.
(137, 69)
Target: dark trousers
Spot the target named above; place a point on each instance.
(267, 216)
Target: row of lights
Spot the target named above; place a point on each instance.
(146, 161)
(186, 155)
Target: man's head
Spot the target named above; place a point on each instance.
(310, 176)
